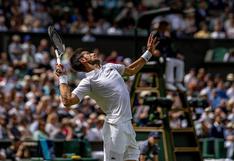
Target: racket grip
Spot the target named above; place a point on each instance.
(58, 57)
(58, 61)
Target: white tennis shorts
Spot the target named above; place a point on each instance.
(119, 142)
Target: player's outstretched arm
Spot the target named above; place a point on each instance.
(68, 98)
(139, 63)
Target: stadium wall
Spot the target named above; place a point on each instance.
(193, 49)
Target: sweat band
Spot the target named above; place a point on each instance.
(147, 55)
(63, 79)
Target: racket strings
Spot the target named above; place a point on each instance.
(58, 42)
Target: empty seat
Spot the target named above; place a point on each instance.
(218, 54)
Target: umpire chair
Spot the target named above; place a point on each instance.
(178, 144)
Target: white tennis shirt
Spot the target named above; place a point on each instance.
(108, 89)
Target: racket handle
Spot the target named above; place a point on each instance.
(58, 57)
(58, 61)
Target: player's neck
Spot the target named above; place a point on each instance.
(93, 67)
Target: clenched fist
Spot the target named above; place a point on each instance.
(59, 70)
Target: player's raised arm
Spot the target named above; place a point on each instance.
(139, 63)
(68, 98)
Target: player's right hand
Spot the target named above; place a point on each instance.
(59, 70)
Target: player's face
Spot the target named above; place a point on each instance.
(152, 140)
(92, 58)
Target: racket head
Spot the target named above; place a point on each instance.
(56, 40)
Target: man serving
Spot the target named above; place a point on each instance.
(105, 84)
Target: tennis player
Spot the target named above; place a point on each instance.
(105, 84)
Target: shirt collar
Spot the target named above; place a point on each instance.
(91, 73)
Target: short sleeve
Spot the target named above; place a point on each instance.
(82, 89)
(143, 148)
(119, 67)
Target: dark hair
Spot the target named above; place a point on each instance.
(154, 134)
(163, 26)
(75, 60)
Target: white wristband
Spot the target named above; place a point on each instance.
(63, 79)
(147, 55)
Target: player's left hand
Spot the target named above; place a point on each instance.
(153, 41)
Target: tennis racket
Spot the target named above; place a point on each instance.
(57, 43)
